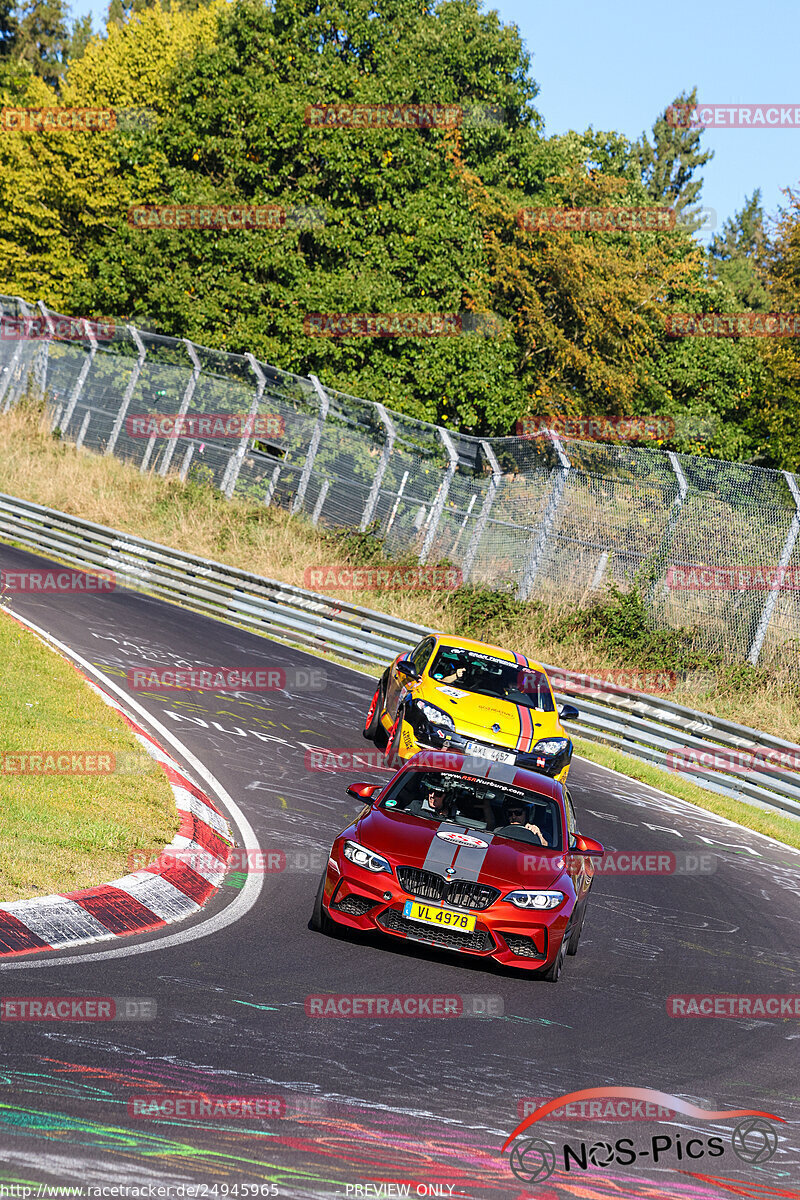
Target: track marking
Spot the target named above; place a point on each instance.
(245, 899)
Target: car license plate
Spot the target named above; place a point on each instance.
(502, 756)
(429, 915)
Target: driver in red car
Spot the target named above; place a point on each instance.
(433, 803)
(517, 814)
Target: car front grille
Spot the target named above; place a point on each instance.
(523, 946)
(461, 893)
(394, 922)
(354, 906)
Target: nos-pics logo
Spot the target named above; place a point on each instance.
(754, 1139)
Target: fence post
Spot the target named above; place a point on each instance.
(324, 405)
(543, 533)
(185, 402)
(5, 382)
(786, 554)
(128, 396)
(374, 491)
(441, 496)
(672, 521)
(483, 515)
(323, 491)
(43, 357)
(236, 460)
(81, 380)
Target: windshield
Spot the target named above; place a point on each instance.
(489, 676)
(463, 800)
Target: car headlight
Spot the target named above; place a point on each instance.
(435, 715)
(551, 747)
(362, 857)
(530, 899)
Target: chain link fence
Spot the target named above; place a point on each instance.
(545, 517)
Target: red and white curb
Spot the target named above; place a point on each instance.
(175, 886)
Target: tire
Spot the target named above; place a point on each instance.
(373, 721)
(320, 921)
(575, 936)
(393, 758)
(551, 975)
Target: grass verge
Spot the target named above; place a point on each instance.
(59, 833)
(784, 829)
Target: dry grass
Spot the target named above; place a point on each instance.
(59, 833)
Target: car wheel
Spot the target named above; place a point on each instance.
(393, 758)
(320, 921)
(551, 975)
(575, 936)
(373, 721)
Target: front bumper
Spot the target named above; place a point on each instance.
(369, 902)
(418, 734)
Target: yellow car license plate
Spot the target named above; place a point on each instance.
(429, 915)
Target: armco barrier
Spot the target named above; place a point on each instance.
(647, 727)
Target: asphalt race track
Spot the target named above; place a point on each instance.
(369, 1105)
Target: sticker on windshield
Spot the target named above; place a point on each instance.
(450, 691)
(460, 839)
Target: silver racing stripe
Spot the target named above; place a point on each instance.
(469, 863)
(440, 852)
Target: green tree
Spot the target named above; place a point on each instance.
(9, 29)
(669, 163)
(739, 255)
(42, 38)
(398, 232)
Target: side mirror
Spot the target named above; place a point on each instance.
(364, 791)
(408, 670)
(568, 712)
(586, 845)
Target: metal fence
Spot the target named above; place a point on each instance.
(543, 517)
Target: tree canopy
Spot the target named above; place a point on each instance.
(425, 218)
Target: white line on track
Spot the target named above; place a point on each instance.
(245, 899)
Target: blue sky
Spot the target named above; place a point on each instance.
(616, 64)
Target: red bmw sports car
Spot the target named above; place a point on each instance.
(465, 854)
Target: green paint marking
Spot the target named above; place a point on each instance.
(247, 1004)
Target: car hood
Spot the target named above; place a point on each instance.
(475, 854)
(520, 727)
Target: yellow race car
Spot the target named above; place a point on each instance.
(456, 694)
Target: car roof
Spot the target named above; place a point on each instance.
(486, 770)
(488, 648)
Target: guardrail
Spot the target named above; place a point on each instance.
(641, 725)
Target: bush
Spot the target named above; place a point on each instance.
(618, 622)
